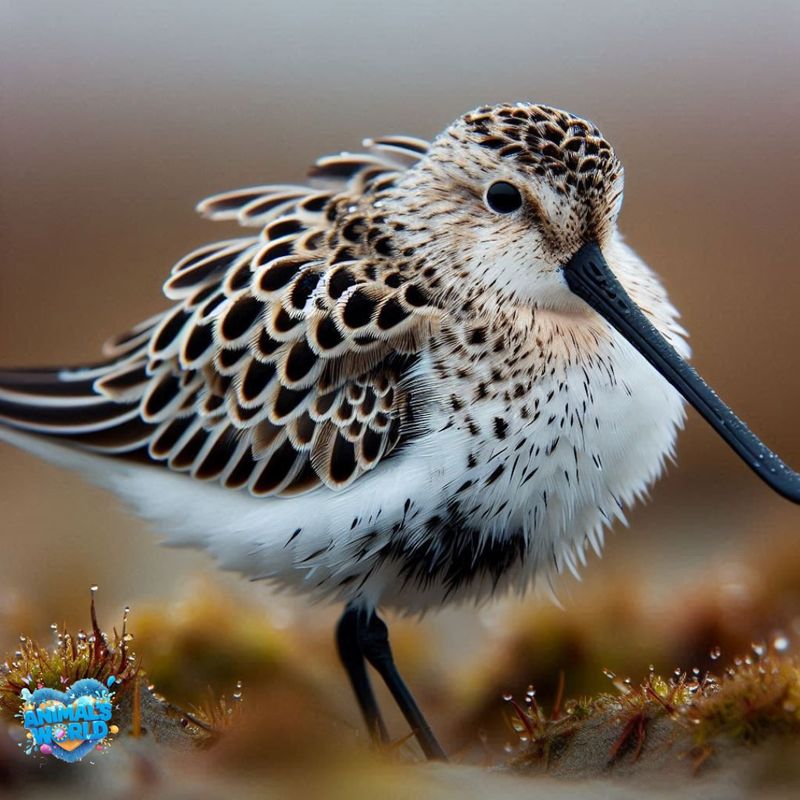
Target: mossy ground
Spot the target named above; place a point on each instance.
(756, 698)
(722, 720)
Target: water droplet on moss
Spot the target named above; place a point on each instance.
(780, 643)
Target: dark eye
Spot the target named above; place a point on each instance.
(503, 197)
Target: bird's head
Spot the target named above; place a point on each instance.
(508, 193)
(516, 206)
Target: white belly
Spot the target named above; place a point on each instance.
(561, 483)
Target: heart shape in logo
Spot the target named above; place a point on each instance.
(62, 709)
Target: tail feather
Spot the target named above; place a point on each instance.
(64, 404)
(44, 386)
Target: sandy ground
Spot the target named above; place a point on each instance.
(127, 773)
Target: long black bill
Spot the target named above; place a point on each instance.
(588, 276)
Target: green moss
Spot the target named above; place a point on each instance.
(756, 697)
(82, 655)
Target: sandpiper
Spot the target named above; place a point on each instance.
(426, 377)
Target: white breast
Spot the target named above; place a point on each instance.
(560, 484)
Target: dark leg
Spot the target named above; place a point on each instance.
(351, 656)
(373, 637)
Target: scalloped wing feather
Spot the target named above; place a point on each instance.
(280, 367)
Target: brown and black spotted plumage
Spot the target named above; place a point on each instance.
(386, 389)
(426, 377)
(277, 368)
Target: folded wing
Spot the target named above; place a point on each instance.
(283, 364)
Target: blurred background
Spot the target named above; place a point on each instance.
(115, 119)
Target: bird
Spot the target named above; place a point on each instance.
(430, 373)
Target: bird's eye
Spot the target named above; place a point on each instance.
(503, 197)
